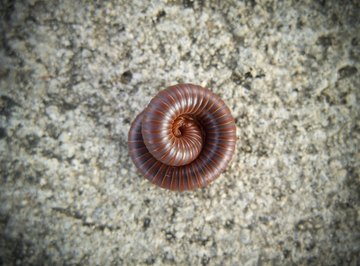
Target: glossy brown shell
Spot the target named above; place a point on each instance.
(184, 139)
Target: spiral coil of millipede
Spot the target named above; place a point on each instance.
(184, 138)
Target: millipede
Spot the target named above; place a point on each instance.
(184, 139)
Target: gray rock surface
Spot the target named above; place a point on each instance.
(74, 74)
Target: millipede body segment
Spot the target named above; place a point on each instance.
(184, 139)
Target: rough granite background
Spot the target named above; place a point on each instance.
(73, 75)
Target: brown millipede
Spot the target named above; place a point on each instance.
(184, 139)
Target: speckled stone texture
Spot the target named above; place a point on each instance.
(73, 75)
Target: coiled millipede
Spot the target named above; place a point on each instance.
(184, 139)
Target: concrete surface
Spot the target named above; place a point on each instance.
(73, 75)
